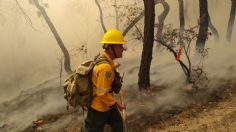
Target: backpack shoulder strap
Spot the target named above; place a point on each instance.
(100, 59)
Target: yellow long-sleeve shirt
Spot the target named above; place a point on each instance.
(102, 78)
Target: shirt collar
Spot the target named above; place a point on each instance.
(109, 59)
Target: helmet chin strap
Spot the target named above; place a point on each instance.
(114, 52)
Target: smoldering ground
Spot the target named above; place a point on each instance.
(168, 81)
(170, 92)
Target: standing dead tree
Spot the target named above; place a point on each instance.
(67, 65)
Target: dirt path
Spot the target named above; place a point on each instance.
(219, 116)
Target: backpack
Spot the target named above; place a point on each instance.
(78, 87)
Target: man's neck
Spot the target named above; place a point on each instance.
(109, 52)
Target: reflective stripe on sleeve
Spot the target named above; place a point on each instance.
(102, 90)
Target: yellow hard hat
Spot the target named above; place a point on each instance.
(113, 36)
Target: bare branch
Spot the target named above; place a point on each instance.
(183, 66)
(27, 18)
(101, 16)
(134, 21)
(140, 33)
(189, 62)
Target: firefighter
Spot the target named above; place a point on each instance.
(104, 108)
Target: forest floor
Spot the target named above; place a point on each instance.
(216, 113)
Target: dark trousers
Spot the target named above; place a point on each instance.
(96, 120)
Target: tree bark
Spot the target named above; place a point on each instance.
(181, 15)
(204, 18)
(57, 37)
(181, 20)
(231, 21)
(144, 71)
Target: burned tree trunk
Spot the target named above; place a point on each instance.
(203, 21)
(144, 71)
(231, 21)
(57, 37)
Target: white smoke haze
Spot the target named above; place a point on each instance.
(169, 79)
(28, 57)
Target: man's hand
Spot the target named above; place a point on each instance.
(121, 106)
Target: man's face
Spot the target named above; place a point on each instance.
(119, 50)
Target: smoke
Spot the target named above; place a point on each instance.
(46, 98)
(169, 87)
(31, 57)
(168, 82)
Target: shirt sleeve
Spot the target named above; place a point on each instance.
(105, 77)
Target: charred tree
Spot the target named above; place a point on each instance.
(57, 37)
(203, 21)
(231, 21)
(144, 71)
